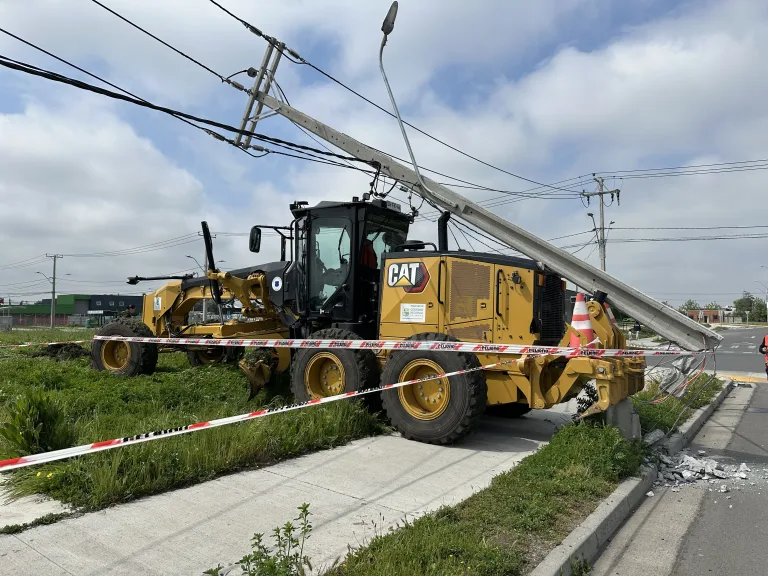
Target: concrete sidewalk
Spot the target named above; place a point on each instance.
(354, 492)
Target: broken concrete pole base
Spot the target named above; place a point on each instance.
(624, 417)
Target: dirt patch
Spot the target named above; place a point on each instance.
(61, 352)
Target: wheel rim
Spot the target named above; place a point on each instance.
(324, 375)
(426, 400)
(115, 355)
(210, 355)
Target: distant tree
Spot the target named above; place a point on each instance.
(712, 306)
(744, 304)
(689, 305)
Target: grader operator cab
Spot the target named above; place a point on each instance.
(352, 274)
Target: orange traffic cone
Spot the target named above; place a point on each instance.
(608, 311)
(581, 322)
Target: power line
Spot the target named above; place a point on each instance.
(224, 79)
(300, 60)
(685, 167)
(53, 76)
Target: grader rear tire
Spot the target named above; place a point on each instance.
(438, 411)
(124, 358)
(318, 373)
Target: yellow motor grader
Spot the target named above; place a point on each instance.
(351, 273)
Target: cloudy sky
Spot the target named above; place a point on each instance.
(549, 90)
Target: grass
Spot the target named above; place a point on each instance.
(42, 521)
(674, 411)
(98, 406)
(17, 336)
(507, 528)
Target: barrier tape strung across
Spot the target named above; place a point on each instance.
(29, 345)
(24, 461)
(442, 346)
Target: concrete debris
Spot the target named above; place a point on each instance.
(701, 452)
(744, 468)
(688, 475)
(650, 494)
(741, 475)
(668, 461)
(723, 488)
(653, 436)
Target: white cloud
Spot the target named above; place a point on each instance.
(685, 88)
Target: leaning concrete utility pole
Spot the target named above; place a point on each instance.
(663, 320)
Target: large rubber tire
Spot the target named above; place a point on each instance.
(142, 358)
(466, 403)
(206, 356)
(511, 410)
(361, 369)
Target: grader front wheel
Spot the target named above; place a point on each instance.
(318, 373)
(438, 410)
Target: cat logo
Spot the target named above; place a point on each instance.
(412, 277)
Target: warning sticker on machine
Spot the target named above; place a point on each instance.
(158, 303)
(413, 312)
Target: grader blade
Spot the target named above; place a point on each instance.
(258, 375)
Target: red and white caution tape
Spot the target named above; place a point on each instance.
(31, 460)
(30, 344)
(442, 346)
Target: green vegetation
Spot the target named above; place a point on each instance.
(42, 521)
(673, 411)
(509, 527)
(41, 395)
(287, 558)
(31, 335)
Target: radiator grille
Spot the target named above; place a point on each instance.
(552, 310)
(469, 283)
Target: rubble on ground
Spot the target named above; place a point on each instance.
(684, 469)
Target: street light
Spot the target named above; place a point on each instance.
(387, 26)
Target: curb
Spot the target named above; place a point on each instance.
(586, 541)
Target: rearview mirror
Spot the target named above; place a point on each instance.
(254, 242)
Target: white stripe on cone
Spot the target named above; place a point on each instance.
(581, 322)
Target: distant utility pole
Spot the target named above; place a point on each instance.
(53, 288)
(600, 192)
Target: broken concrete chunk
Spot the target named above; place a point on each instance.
(741, 475)
(650, 494)
(653, 436)
(688, 475)
(701, 452)
(744, 468)
(669, 461)
(719, 474)
(723, 488)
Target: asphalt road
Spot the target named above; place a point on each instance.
(697, 530)
(738, 351)
(728, 536)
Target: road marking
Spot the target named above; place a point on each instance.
(742, 378)
(753, 337)
(735, 346)
(752, 347)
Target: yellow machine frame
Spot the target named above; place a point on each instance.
(460, 300)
